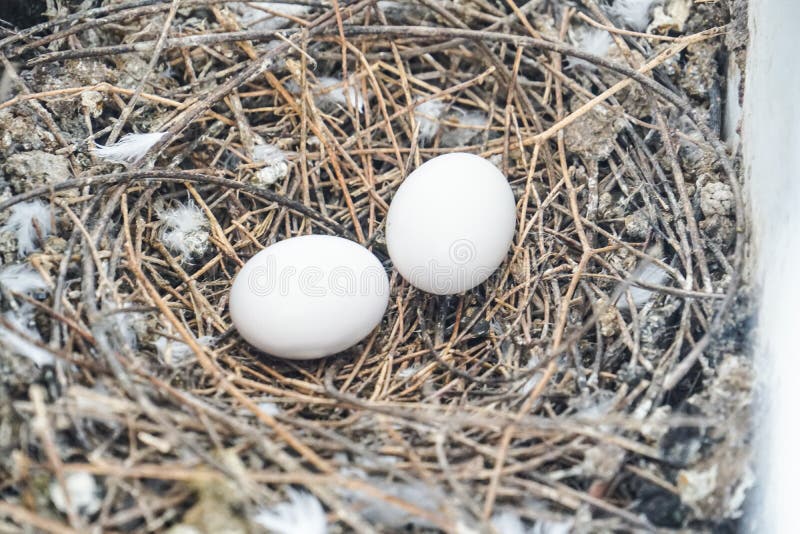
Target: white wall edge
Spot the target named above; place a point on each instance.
(771, 149)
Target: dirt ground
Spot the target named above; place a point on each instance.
(600, 381)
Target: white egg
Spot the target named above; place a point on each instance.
(309, 296)
(450, 224)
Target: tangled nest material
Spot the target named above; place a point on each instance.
(596, 382)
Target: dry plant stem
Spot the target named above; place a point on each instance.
(251, 71)
(562, 320)
(474, 384)
(631, 74)
(294, 471)
(155, 57)
(26, 517)
(96, 12)
(686, 205)
(670, 97)
(41, 424)
(175, 176)
(132, 13)
(46, 117)
(211, 368)
(101, 16)
(618, 31)
(168, 44)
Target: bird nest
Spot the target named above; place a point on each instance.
(596, 382)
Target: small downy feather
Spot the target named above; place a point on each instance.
(553, 527)
(508, 522)
(175, 353)
(408, 372)
(21, 278)
(380, 512)
(84, 494)
(269, 408)
(123, 327)
(129, 149)
(533, 379)
(276, 164)
(301, 514)
(333, 91)
(253, 18)
(592, 40)
(390, 5)
(18, 338)
(470, 125)
(427, 116)
(21, 224)
(185, 230)
(636, 14)
(648, 273)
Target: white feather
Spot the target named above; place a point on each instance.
(175, 353)
(21, 224)
(647, 273)
(16, 338)
(277, 164)
(333, 91)
(388, 5)
(470, 125)
(508, 522)
(83, 492)
(427, 116)
(552, 527)
(634, 13)
(185, 230)
(122, 326)
(533, 379)
(592, 40)
(256, 19)
(408, 372)
(269, 408)
(268, 154)
(379, 512)
(129, 149)
(301, 514)
(21, 278)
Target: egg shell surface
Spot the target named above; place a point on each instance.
(310, 296)
(450, 224)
